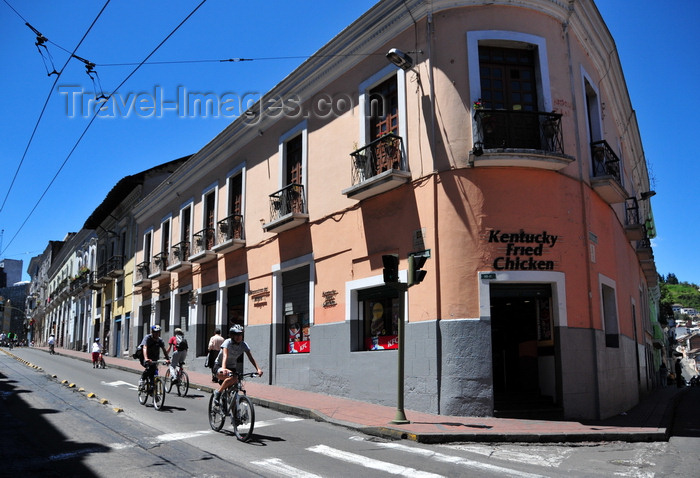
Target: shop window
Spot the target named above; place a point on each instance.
(379, 316)
(295, 296)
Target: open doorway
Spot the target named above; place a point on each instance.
(522, 338)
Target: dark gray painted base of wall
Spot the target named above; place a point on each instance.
(447, 366)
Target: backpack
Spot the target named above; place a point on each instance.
(180, 343)
(138, 355)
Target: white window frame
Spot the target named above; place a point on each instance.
(364, 103)
(238, 170)
(300, 129)
(544, 91)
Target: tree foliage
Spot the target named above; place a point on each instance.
(675, 292)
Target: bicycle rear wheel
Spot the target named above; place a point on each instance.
(158, 393)
(168, 381)
(102, 363)
(183, 384)
(244, 418)
(216, 415)
(143, 393)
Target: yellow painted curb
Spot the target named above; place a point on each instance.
(118, 410)
(104, 401)
(72, 385)
(91, 395)
(64, 381)
(81, 389)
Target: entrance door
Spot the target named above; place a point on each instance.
(522, 347)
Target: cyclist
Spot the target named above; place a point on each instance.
(52, 344)
(225, 365)
(177, 343)
(96, 349)
(152, 343)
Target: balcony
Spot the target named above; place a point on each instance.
(634, 229)
(94, 283)
(79, 284)
(179, 255)
(287, 209)
(141, 280)
(159, 267)
(203, 246)
(643, 250)
(229, 234)
(377, 168)
(606, 180)
(110, 270)
(519, 138)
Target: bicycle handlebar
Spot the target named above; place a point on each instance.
(159, 361)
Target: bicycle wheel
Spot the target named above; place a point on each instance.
(183, 384)
(244, 419)
(102, 363)
(143, 393)
(158, 393)
(216, 415)
(168, 381)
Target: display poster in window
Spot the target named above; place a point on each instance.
(298, 328)
(381, 328)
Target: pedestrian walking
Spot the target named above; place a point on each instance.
(663, 374)
(680, 381)
(214, 347)
(96, 349)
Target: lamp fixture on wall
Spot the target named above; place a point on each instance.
(400, 59)
(646, 195)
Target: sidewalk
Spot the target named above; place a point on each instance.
(650, 420)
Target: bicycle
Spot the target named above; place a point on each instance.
(181, 380)
(235, 404)
(101, 362)
(52, 350)
(153, 386)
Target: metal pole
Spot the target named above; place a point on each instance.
(400, 417)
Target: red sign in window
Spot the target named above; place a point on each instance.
(382, 342)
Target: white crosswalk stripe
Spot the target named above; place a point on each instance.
(371, 463)
(456, 460)
(186, 435)
(279, 467)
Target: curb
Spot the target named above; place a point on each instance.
(392, 433)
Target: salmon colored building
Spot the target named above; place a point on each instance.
(496, 137)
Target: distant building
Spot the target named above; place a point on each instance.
(11, 272)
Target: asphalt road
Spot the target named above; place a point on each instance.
(53, 429)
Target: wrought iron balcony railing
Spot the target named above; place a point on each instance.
(159, 264)
(229, 229)
(202, 241)
(143, 270)
(631, 211)
(605, 161)
(288, 200)
(503, 129)
(114, 267)
(179, 253)
(382, 154)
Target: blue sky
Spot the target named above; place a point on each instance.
(59, 185)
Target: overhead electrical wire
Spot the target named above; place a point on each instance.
(48, 97)
(87, 127)
(231, 60)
